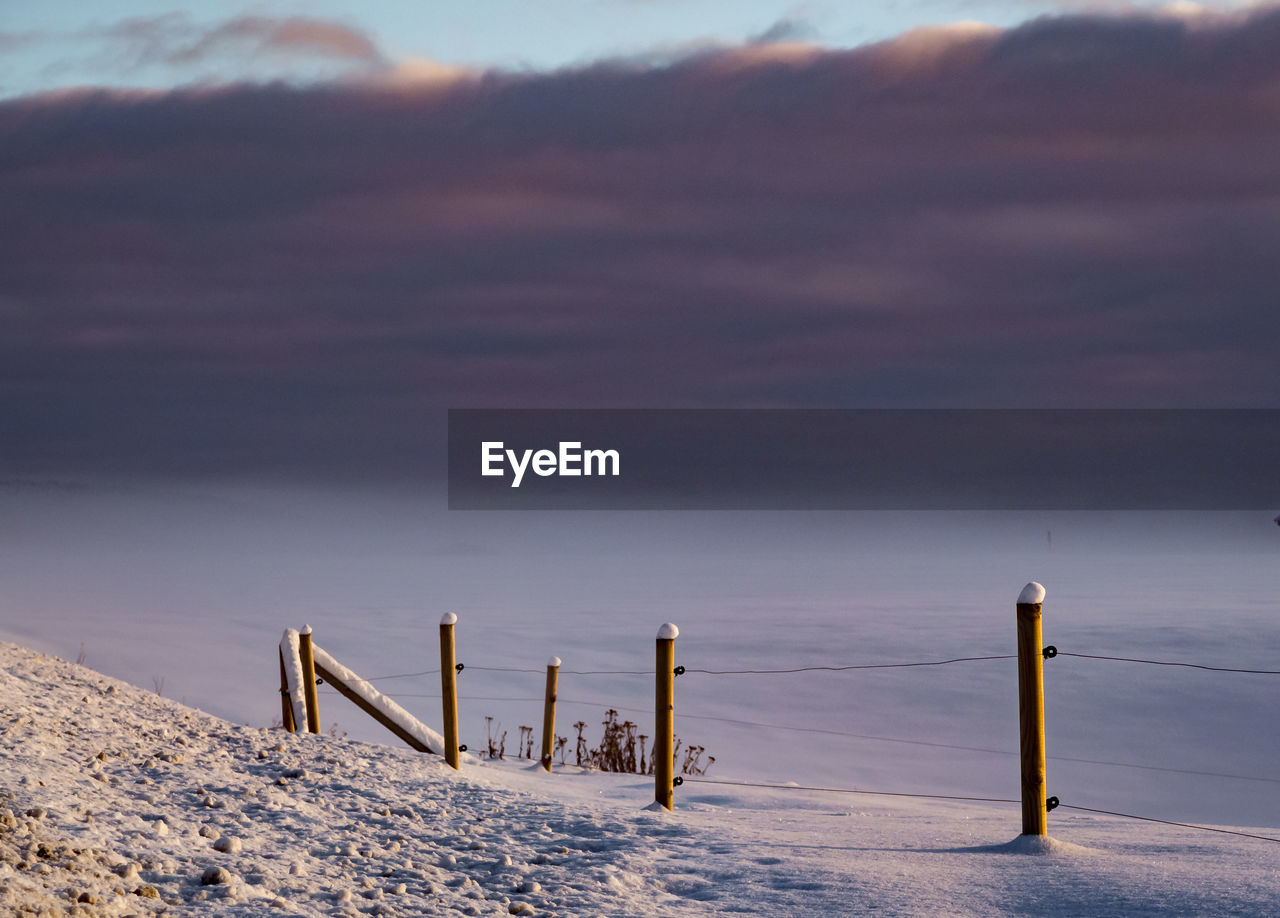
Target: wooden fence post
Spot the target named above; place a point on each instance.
(664, 714)
(309, 680)
(1035, 814)
(286, 703)
(549, 712)
(449, 688)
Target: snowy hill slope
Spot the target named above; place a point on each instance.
(114, 801)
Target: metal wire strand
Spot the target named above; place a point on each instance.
(1167, 822)
(846, 790)
(1216, 669)
(839, 669)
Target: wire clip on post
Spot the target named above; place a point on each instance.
(679, 670)
(1049, 652)
(677, 781)
(1051, 804)
(459, 667)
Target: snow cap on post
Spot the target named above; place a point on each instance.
(449, 619)
(1031, 594)
(668, 632)
(554, 661)
(306, 629)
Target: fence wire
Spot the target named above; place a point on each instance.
(829, 668)
(1216, 669)
(1065, 806)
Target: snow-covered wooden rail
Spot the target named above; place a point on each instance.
(303, 709)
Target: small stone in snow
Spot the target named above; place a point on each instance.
(529, 886)
(228, 845)
(148, 892)
(214, 876)
(88, 898)
(520, 908)
(210, 832)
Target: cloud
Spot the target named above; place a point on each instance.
(295, 35)
(787, 30)
(12, 41)
(418, 71)
(272, 280)
(177, 40)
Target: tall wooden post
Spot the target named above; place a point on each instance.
(1035, 815)
(286, 703)
(449, 688)
(664, 715)
(549, 712)
(309, 680)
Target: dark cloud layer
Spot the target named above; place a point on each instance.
(263, 279)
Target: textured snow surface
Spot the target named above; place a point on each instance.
(115, 801)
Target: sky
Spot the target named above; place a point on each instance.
(262, 241)
(156, 42)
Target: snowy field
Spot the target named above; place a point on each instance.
(119, 802)
(188, 592)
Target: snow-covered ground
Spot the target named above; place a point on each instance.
(116, 801)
